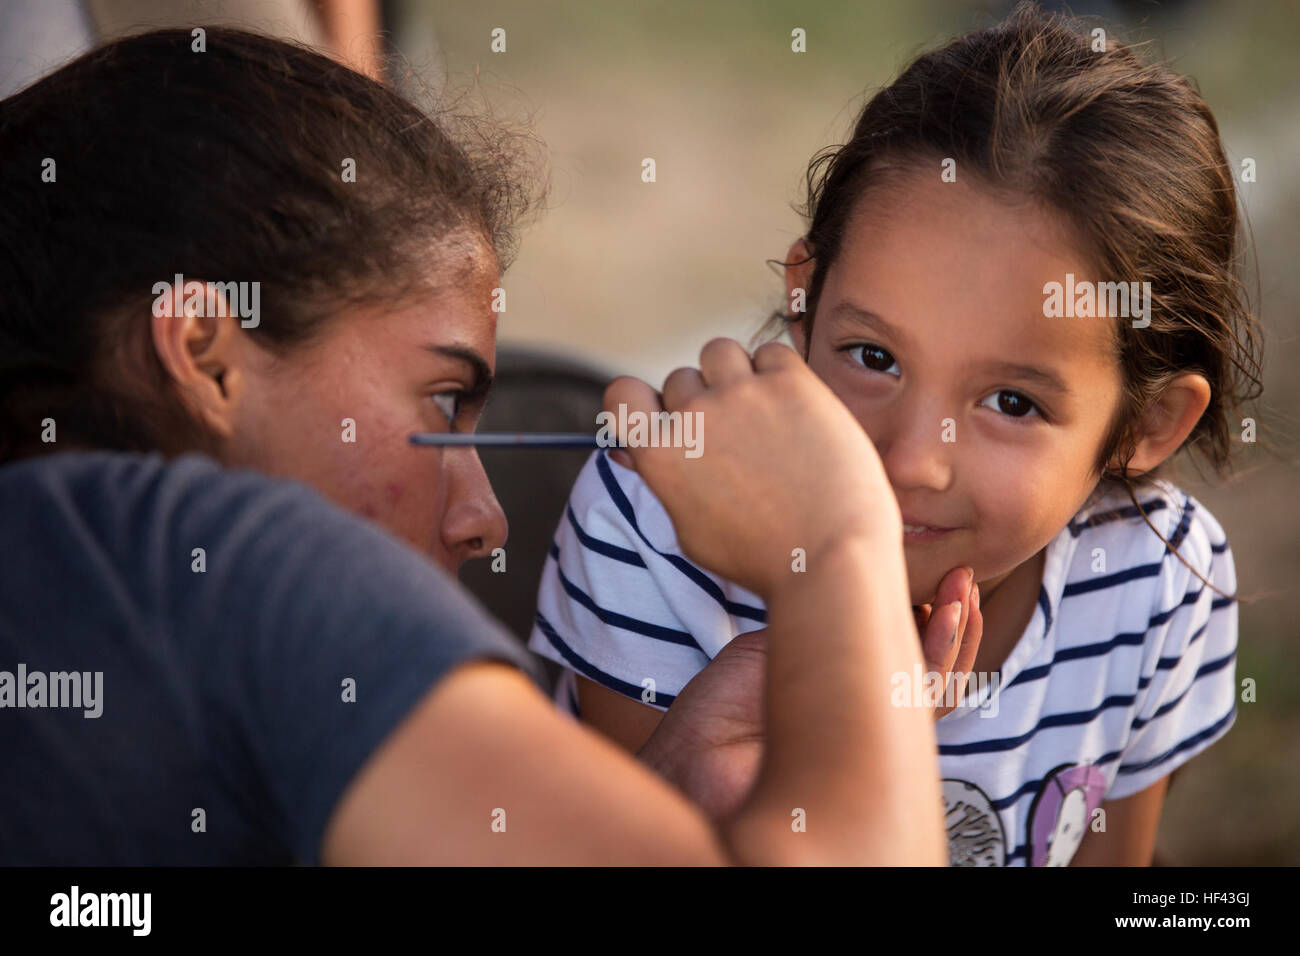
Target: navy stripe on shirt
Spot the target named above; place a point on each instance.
(998, 745)
(593, 673)
(614, 619)
(1032, 785)
(1119, 514)
(697, 576)
(1168, 663)
(603, 547)
(1183, 525)
(1112, 580)
(1175, 750)
(1209, 667)
(1119, 640)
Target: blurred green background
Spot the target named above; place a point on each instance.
(638, 277)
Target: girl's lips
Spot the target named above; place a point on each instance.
(923, 532)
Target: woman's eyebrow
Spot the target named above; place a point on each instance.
(481, 372)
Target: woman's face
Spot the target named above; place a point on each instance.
(336, 413)
(936, 294)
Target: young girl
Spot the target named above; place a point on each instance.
(959, 289)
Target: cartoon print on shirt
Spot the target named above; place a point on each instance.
(1061, 812)
(975, 835)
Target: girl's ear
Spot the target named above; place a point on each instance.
(201, 348)
(1167, 421)
(798, 275)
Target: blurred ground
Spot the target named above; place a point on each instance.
(639, 276)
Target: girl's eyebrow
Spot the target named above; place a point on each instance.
(1042, 376)
(481, 372)
(849, 312)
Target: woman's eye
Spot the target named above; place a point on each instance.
(874, 358)
(1012, 404)
(449, 404)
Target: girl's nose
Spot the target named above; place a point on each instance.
(918, 446)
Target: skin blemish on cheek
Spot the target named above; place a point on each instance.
(394, 491)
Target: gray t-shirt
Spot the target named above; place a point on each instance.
(194, 662)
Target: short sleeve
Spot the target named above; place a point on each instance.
(1187, 689)
(319, 634)
(618, 603)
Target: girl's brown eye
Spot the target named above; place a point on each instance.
(1013, 404)
(874, 358)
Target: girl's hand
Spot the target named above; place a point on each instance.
(950, 636)
(782, 464)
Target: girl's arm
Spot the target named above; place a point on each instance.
(1191, 686)
(623, 720)
(1131, 827)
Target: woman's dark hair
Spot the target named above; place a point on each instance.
(224, 165)
(1128, 152)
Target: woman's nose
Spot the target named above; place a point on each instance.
(473, 525)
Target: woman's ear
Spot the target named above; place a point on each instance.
(201, 346)
(1165, 424)
(798, 275)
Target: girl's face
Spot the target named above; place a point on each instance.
(336, 414)
(987, 416)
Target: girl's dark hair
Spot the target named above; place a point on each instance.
(224, 165)
(1128, 152)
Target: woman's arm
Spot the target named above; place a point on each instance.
(710, 742)
(485, 745)
(486, 771)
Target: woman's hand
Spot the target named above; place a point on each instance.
(775, 442)
(710, 742)
(950, 636)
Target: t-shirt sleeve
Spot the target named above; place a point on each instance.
(1187, 688)
(618, 603)
(319, 634)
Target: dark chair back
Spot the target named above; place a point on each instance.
(535, 391)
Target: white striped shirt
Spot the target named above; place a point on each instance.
(1125, 671)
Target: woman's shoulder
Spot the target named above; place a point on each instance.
(124, 473)
(119, 496)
